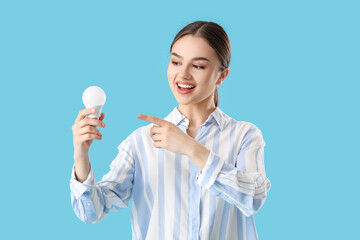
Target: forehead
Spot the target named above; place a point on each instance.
(190, 47)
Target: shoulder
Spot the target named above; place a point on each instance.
(244, 130)
(236, 125)
(140, 131)
(240, 125)
(137, 134)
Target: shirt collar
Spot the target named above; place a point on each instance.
(217, 116)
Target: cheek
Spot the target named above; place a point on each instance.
(170, 78)
(206, 79)
(212, 79)
(170, 73)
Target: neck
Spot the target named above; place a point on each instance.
(197, 113)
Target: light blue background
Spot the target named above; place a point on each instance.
(294, 73)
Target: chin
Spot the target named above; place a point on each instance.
(182, 102)
(187, 101)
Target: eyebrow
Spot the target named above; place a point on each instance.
(195, 58)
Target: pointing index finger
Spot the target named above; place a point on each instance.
(152, 119)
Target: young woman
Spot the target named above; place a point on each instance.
(198, 173)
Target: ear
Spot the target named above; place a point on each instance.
(223, 75)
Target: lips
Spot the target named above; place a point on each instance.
(184, 91)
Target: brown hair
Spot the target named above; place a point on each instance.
(217, 38)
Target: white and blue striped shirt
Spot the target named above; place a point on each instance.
(171, 197)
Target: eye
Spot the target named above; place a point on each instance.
(198, 67)
(175, 63)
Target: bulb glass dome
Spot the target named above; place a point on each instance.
(94, 97)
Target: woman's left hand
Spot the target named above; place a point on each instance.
(169, 136)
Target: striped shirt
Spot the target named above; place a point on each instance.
(173, 199)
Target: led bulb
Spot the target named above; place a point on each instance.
(94, 97)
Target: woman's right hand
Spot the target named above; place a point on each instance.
(84, 132)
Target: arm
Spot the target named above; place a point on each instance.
(244, 185)
(91, 200)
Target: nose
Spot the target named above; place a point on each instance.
(184, 72)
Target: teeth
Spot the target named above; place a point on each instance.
(185, 86)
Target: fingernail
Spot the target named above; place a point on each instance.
(93, 109)
(103, 124)
(139, 115)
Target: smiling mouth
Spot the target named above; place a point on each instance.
(185, 86)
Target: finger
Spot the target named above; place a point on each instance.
(83, 113)
(157, 144)
(155, 129)
(88, 129)
(102, 116)
(89, 136)
(152, 119)
(92, 122)
(156, 137)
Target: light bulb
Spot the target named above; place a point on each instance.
(94, 97)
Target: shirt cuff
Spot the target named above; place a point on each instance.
(211, 170)
(78, 188)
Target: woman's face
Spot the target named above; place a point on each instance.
(193, 62)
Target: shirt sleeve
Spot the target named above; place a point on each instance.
(91, 200)
(244, 185)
